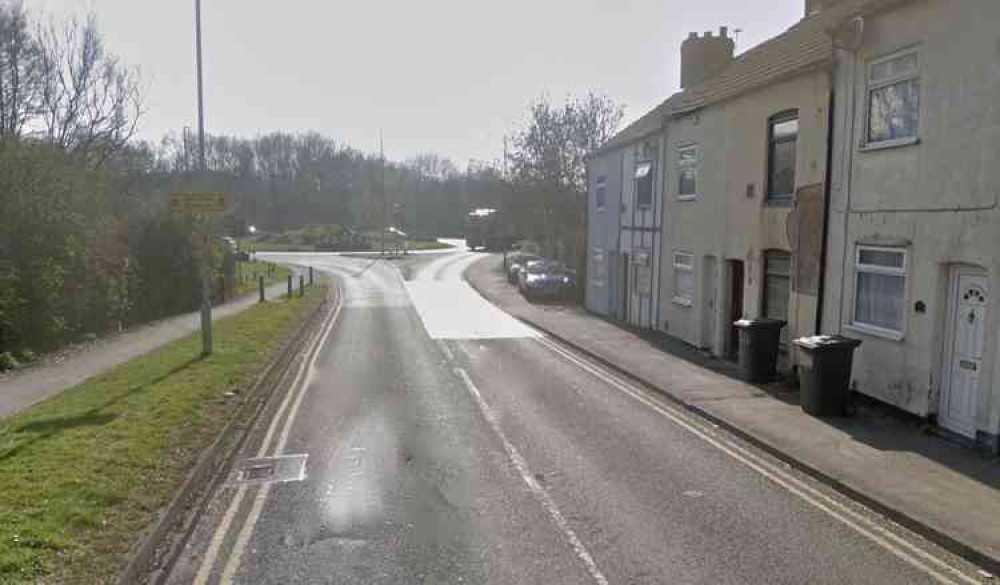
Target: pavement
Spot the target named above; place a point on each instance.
(427, 437)
(69, 367)
(946, 490)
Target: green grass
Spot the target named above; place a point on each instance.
(247, 269)
(82, 474)
(427, 245)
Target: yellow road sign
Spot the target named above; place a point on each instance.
(200, 202)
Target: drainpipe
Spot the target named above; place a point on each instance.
(826, 201)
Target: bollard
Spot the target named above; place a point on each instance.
(261, 281)
(310, 276)
(302, 286)
(289, 286)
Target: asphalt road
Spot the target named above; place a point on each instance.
(445, 442)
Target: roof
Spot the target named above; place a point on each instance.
(805, 46)
(648, 124)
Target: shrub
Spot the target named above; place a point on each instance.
(8, 362)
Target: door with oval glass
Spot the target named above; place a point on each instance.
(963, 362)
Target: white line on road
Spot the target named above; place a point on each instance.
(297, 389)
(540, 493)
(904, 550)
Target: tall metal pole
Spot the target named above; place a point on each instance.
(385, 197)
(206, 280)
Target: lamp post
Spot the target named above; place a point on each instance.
(206, 281)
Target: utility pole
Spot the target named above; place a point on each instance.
(206, 281)
(385, 197)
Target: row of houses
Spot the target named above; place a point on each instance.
(842, 176)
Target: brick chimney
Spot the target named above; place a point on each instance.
(704, 56)
(813, 7)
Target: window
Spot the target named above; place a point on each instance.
(777, 285)
(783, 133)
(644, 184)
(879, 289)
(600, 193)
(683, 278)
(598, 268)
(687, 172)
(894, 99)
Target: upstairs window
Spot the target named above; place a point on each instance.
(687, 172)
(644, 184)
(894, 99)
(600, 193)
(783, 134)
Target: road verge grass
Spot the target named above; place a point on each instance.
(84, 473)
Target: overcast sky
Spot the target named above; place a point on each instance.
(445, 76)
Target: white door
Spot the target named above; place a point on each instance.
(964, 363)
(708, 305)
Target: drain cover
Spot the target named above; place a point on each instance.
(270, 470)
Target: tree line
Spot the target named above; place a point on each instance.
(87, 244)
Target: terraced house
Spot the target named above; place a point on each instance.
(739, 164)
(914, 226)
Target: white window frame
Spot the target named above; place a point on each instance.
(680, 168)
(652, 183)
(893, 334)
(599, 267)
(872, 86)
(683, 262)
(601, 183)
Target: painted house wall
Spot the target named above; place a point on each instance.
(730, 219)
(640, 235)
(602, 290)
(936, 199)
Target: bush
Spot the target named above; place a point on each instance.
(8, 362)
(28, 356)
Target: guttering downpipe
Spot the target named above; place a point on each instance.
(830, 120)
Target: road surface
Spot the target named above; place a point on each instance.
(431, 438)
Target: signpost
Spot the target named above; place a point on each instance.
(203, 203)
(207, 202)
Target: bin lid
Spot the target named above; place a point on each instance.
(819, 342)
(761, 322)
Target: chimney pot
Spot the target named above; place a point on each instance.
(724, 31)
(693, 35)
(708, 34)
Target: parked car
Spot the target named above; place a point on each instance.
(517, 261)
(546, 279)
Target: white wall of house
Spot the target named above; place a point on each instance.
(730, 219)
(930, 200)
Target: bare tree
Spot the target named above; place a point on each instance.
(20, 69)
(547, 160)
(90, 100)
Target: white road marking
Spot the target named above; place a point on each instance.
(297, 390)
(540, 493)
(902, 549)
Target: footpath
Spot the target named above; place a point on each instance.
(947, 492)
(23, 388)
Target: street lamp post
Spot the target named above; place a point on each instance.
(206, 281)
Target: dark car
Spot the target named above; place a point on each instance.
(515, 262)
(546, 279)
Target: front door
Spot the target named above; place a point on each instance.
(735, 307)
(964, 353)
(708, 306)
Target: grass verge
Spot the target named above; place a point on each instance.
(84, 473)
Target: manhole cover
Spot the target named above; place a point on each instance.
(270, 470)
